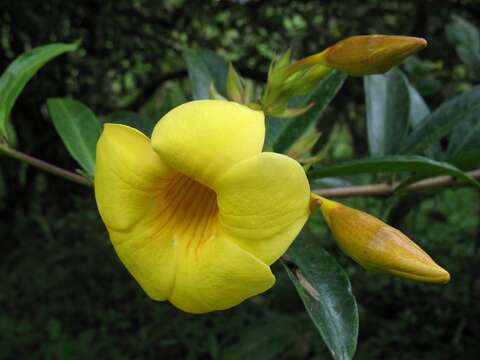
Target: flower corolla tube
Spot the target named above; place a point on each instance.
(198, 213)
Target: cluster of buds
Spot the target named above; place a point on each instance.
(287, 80)
(356, 55)
(377, 246)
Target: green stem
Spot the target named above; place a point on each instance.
(43, 165)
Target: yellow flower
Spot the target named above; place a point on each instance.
(377, 246)
(199, 213)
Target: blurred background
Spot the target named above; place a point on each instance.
(64, 293)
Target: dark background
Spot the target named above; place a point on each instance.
(63, 292)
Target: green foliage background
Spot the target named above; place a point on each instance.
(63, 292)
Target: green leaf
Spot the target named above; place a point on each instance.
(419, 110)
(214, 94)
(293, 129)
(140, 122)
(11, 135)
(394, 163)
(462, 108)
(204, 67)
(331, 182)
(467, 159)
(465, 136)
(234, 85)
(294, 112)
(20, 71)
(325, 290)
(79, 129)
(387, 104)
(465, 37)
(274, 129)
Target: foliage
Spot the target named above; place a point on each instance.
(326, 292)
(64, 310)
(54, 301)
(79, 129)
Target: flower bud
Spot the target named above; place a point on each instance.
(370, 54)
(377, 246)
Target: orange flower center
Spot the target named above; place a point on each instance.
(188, 208)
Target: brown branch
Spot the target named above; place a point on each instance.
(52, 169)
(347, 191)
(388, 189)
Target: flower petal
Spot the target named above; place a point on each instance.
(217, 274)
(263, 204)
(129, 175)
(150, 258)
(202, 139)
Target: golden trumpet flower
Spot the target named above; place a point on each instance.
(198, 213)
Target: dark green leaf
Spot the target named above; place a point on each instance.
(465, 136)
(274, 129)
(234, 85)
(387, 103)
(331, 182)
(11, 135)
(325, 290)
(141, 122)
(419, 110)
(467, 159)
(394, 163)
(79, 129)
(294, 128)
(462, 108)
(465, 37)
(20, 71)
(204, 67)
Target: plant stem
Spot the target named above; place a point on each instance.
(79, 179)
(388, 189)
(381, 189)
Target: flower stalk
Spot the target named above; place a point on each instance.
(380, 189)
(45, 166)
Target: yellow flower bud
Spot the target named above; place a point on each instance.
(378, 246)
(370, 54)
(356, 55)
